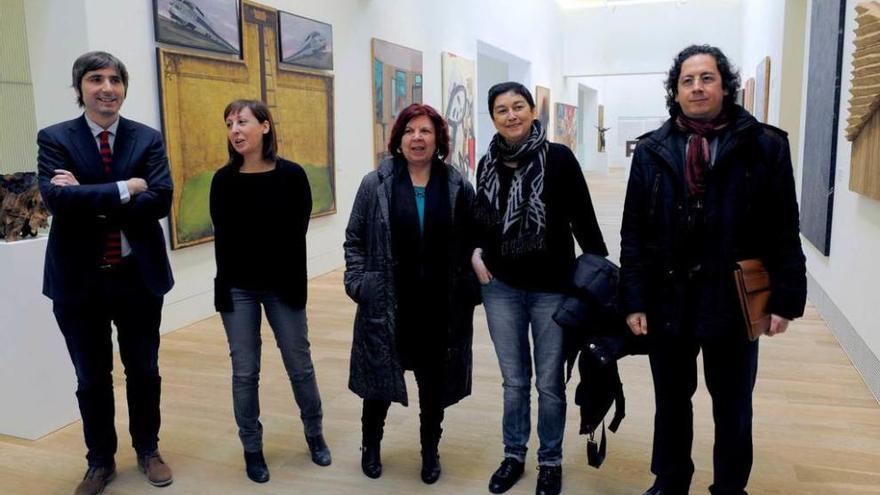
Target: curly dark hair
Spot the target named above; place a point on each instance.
(441, 129)
(729, 76)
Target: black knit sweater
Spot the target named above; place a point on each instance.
(260, 223)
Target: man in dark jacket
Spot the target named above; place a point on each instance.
(710, 187)
(106, 181)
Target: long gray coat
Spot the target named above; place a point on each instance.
(376, 371)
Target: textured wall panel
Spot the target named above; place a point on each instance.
(18, 138)
(820, 135)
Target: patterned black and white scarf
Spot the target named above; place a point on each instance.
(523, 222)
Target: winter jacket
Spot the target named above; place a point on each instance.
(750, 212)
(376, 371)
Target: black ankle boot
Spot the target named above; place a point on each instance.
(371, 459)
(319, 450)
(255, 466)
(430, 465)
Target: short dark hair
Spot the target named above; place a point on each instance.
(90, 61)
(501, 88)
(729, 76)
(441, 129)
(262, 114)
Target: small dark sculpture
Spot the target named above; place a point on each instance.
(22, 212)
(601, 137)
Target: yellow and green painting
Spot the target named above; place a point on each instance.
(195, 89)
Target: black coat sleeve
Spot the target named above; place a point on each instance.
(632, 256)
(355, 245)
(785, 262)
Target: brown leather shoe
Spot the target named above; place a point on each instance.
(158, 473)
(95, 480)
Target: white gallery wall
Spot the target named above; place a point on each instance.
(624, 52)
(60, 30)
(845, 288)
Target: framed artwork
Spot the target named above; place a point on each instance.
(762, 90)
(305, 42)
(397, 83)
(195, 89)
(542, 105)
(566, 126)
(213, 25)
(459, 79)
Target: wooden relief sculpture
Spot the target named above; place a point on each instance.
(864, 120)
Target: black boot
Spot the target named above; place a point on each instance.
(430, 466)
(255, 466)
(372, 427)
(430, 436)
(371, 459)
(319, 450)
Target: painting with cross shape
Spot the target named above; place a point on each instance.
(195, 88)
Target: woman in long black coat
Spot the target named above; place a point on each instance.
(407, 268)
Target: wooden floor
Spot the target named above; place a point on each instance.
(817, 428)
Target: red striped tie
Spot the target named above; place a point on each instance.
(113, 241)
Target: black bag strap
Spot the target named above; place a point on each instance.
(596, 452)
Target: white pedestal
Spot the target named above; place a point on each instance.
(37, 381)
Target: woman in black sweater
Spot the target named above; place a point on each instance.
(531, 198)
(260, 205)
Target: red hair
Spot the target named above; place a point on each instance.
(441, 130)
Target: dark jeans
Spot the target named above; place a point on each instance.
(242, 326)
(121, 298)
(430, 382)
(730, 367)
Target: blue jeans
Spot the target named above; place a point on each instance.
(509, 313)
(242, 326)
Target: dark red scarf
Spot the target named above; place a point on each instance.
(698, 153)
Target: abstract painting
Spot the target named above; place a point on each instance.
(305, 42)
(397, 83)
(542, 105)
(204, 24)
(827, 20)
(195, 90)
(566, 126)
(459, 79)
(762, 90)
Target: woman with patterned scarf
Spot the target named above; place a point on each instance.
(531, 198)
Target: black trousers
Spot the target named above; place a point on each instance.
(430, 382)
(122, 298)
(730, 367)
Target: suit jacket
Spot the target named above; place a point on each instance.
(77, 234)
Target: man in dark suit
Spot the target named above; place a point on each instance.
(106, 181)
